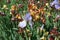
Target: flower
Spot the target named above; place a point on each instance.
(13, 7)
(20, 5)
(18, 16)
(13, 10)
(31, 1)
(51, 38)
(57, 7)
(4, 7)
(13, 19)
(28, 17)
(47, 4)
(41, 18)
(56, 4)
(32, 13)
(38, 2)
(20, 30)
(54, 31)
(37, 16)
(34, 7)
(22, 24)
(2, 13)
(8, 1)
(57, 17)
(43, 21)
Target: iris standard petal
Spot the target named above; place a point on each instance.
(28, 17)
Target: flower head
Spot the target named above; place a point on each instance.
(47, 4)
(18, 16)
(13, 10)
(20, 5)
(54, 31)
(4, 7)
(8, 1)
(57, 17)
(57, 7)
(13, 7)
(2, 13)
(22, 24)
(28, 17)
(56, 4)
(51, 38)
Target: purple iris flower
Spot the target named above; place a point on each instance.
(56, 4)
(28, 17)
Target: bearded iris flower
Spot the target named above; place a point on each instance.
(28, 18)
(56, 4)
(2, 13)
(22, 24)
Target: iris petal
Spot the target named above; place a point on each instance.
(28, 17)
(56, 4)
